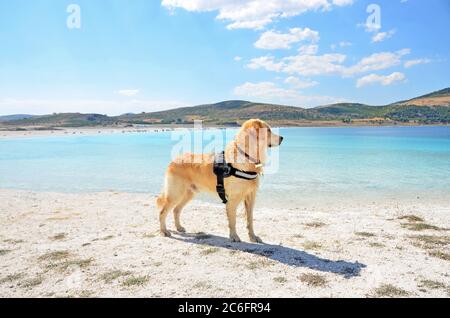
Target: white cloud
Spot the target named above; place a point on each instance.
(342, 3)
(308, 49)
(380, 79)
(296, 83)
(345, 43)
(303, 64)
(411, 63)
(264, 90)
(110, 107)
(271, 93)
(341, 44)
(128, 92)
(271, 40)
(265, 62)
(237, 58)
(328, 64)
(381, 36)
(253, 14)
(376, 62)
(311, 65)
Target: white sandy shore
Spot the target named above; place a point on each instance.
(107, 245)
(7, 134)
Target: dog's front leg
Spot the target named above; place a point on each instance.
(249, 205)
(231, 214)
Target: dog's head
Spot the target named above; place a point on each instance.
(255, 136)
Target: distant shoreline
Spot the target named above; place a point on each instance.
(90, 131)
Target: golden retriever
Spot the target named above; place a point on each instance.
(192, 173)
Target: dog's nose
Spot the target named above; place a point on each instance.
(281, 139)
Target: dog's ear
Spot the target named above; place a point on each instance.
(253, 124)
(251, 129)
(252, 138)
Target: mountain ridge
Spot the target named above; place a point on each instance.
(432, 108)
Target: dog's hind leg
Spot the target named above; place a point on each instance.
(170, 198)
(177, 210)
(164, 211)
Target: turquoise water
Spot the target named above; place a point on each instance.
(324, 164)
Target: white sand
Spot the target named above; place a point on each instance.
(118, 231)
(7, 134)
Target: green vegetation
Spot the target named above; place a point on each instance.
(111, 276)
(430, 241)
(31, 282)
(280, 279)
(441, 255)
(313, 280)
(4, 252)
(420, 227)
(202, 285)
(411, 218)
(388, 290)
(54, 256)
(376, 244)
(61, 260)
(135, 281)
(13, 241)
(11, 278)
(433, 108)
(210, 250)
(432, 284)
(64, 265)
(260, 263)
(315, 224)
(58, 237)
(309, 245)
(365, 234)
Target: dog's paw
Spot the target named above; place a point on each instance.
(165, 233)
(234, 238)
(255, 239)
(181, 229)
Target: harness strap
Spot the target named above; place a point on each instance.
(220, 188)
(225, 170)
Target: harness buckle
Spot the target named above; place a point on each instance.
(226, 171)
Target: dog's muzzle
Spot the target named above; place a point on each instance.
(279, 143)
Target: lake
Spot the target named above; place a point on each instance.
(321, 165)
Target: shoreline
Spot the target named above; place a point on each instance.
(324, 202)
(107, 245)
(61, 132)
(93, 131)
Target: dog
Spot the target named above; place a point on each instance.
(190, 174)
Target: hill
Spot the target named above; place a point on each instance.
(64, 120)
(433, 108)
(438, 98)
(15, 117)
(223, 113)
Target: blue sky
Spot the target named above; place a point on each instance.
(139, 55)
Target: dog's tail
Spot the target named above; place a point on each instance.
(161, 200)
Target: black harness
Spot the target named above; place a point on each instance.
(223, 170)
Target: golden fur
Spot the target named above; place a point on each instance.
(193, 173)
